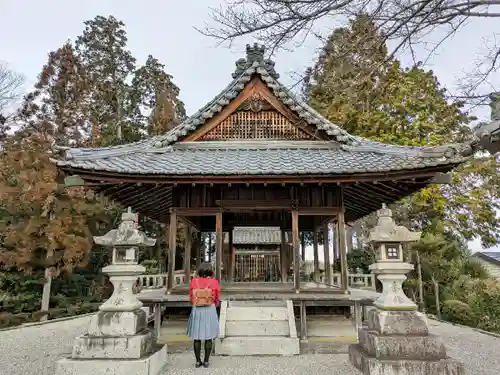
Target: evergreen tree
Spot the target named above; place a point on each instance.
(102, 48)
(156, 97)
(59, 102)
(407, 107)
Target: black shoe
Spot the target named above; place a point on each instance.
(206, 364)
(198, 364)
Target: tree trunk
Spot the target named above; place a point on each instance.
(46, 294)
(420, 283)
(436, 295)
(46, 289)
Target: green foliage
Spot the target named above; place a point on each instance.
(89, 93)
(356, 84)
(483, 298)
(458, 312)
(125, 102)
(360, 259)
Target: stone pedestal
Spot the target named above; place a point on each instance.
(399, 343)
(395, 338)
(118, 341)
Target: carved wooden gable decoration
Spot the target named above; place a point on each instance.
(255, 114)
(255, 118)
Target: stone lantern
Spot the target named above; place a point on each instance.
(391, 269)
(118, 341)
(395, 339)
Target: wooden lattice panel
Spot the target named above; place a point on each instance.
(255, 125)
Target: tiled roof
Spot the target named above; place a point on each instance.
(489, 255)
(258, 158)
(344, 154)
(256, 236)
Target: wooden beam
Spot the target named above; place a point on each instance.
(296, 250)
(172, 245)
(316, 257)
(254, 204)
(326, 253)
(219, 237)
(319, 211)
(197, 211)
(187, 254)
(343, 250)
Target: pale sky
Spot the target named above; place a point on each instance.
(165, 29)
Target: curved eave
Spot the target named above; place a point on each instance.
(361, 196)
(403, 174)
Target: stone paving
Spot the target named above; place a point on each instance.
(34, 350)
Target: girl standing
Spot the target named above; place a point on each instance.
(203, 324)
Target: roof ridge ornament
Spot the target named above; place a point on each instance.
(255, 57)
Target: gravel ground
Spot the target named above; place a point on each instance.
(34, 350)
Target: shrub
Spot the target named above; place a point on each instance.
(458, 312)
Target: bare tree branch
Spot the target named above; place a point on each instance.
(276, 23)
(10, 86)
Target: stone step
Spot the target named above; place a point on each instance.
(256, 313)
(257, 328)
(243, 346)
(257, 303)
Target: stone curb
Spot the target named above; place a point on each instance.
(462, 326)
(34, 324)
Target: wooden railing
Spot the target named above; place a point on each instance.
(356, 280)
(160, 280)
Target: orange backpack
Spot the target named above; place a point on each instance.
(201, 296)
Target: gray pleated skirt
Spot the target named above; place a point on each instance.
(203, 323)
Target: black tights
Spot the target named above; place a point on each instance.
(197, 350)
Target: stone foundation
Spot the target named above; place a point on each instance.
(152, 364)
(399, 343)
(117, 343)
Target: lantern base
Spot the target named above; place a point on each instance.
(151, 364)
(399, 343)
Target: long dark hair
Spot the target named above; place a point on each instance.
(205, 270)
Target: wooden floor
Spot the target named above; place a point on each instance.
(269, 287)
(312, 293)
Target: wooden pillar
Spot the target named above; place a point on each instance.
(219, 242)
(303, 246)
(157, 321)
(187, 254)
(232, 257)
(335, 242)
(316, 257)
(326, 254)
(283, 257)
(342, 250)
(210, 247)
(172, 244)
(303, 321)
(296, 250)
(200, 258)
